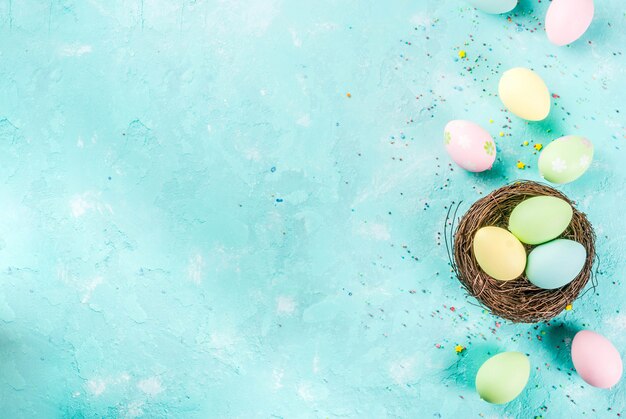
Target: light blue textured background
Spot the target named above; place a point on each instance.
(197, 221)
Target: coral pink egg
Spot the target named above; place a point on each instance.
(567, 20)
(469, 145)
(596, 360)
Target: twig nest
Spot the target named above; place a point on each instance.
(518, 299)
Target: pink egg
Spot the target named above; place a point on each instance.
(469, 145)
(596, 360)
(567, 20)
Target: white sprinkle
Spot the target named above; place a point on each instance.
(304, 121)
(285, 305)
(96, 386)
(75, 50)
(195, 268)
(151, 386)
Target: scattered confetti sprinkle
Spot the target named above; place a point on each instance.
(349, 95)
(462, 54)
(568, 307)
(501, 134)
(538, 147)
(525, 143)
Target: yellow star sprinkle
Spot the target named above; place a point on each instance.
(538, 147)
(568, 307)
(462, 54)
(525, 142)
(520, 165)
(459, 349)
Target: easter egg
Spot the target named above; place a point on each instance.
(567, 20)
(540, 219)
(555, 264)
(498, 253)
(494, 6)
(525, 94)
(469, 145)
(503, 377)
(565, 159)
(596, 360)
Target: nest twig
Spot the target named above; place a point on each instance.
(517, 300)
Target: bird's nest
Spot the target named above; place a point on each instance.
(517, 300)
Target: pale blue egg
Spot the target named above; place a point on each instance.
(556, 263)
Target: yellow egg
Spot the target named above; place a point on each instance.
(525, 94)
(499, 253)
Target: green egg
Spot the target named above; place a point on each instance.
(503, 377)
(540, 219)
(565, 159)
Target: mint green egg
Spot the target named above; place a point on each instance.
(540, 219)
(503, 377)
(565, 159)
(556, 263)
